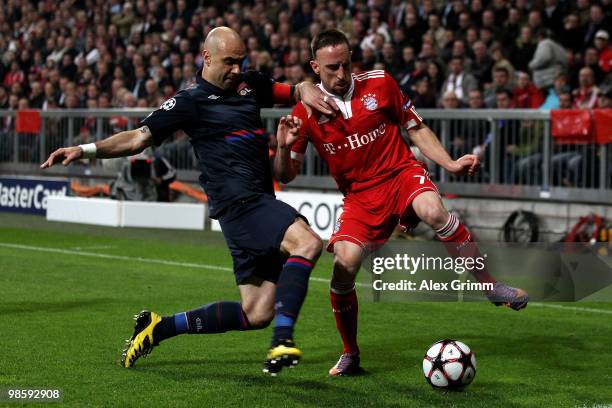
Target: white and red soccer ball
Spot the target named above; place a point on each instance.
(449, 364)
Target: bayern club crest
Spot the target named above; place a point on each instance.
(369, 101)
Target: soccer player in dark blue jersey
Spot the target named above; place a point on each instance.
(273, 248)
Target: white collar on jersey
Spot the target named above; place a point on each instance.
(344, 103)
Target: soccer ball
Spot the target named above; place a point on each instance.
(449, 364)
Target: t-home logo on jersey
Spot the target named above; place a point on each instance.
(356, 140)
(29, 195)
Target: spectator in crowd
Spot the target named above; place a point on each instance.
(501, 81)
(511, 27)
(585, 97)
(414, 30)
(476, 131)
(503, 99)
(565, 99)
(554, 13)
(435, 76)
(572, 33)
(597, 21)
(420, 72)
(523, 49)
(450, 101)
(406, 67)
(14, 76)
(500, 60)
(140, 79)
(525, 95)
(37, 95)
(560, 85)
(436, 31)
(153, 95)
(488, 23)
(591, 60)
(522, 143)
(548, 60)
(475, 99)
(424, 95)
(482, 64)
(458, 81)
(389, 59)
(602, 43)
(457, 139)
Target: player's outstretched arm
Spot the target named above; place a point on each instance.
(430, 146)
(120, 144)
(288, 132)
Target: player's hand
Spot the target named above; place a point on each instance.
(65, 155)
(468, 164)
(288, 131)
(314, 98)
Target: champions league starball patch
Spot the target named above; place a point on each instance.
(169, 104)
(369, 101)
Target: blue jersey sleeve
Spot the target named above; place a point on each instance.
(174, 114)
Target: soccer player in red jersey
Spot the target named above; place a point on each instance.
(382, 182)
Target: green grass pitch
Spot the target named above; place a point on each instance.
(64, 316)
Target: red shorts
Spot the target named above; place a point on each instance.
(370, 216)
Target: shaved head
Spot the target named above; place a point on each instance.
(223, 53)
(221, 38)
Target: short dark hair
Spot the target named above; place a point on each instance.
(503, 91)
(326, 38)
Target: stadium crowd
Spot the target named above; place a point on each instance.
(472, 54)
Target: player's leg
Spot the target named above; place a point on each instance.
(302, 246)
(254, 312)
(429, 208)
(347, 261)
(367, 220)
(248, 246)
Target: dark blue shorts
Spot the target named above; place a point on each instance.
(254, 230)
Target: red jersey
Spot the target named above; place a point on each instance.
(363, 145)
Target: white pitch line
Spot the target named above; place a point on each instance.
(574, 308)
(137, 259)
(117, 257)
(77, 248)
(224, 268)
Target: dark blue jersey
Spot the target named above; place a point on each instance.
(226, 133)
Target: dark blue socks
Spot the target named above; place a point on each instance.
(291, 290)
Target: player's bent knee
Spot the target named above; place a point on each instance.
(435, 216)
(310, 247)
(346, 265)
(347, 260)
(259, 319)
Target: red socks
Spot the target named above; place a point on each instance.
(345, 308)
(459, 243)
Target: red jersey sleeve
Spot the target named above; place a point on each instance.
(299, 147)
(401, 106)
(281, 93)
